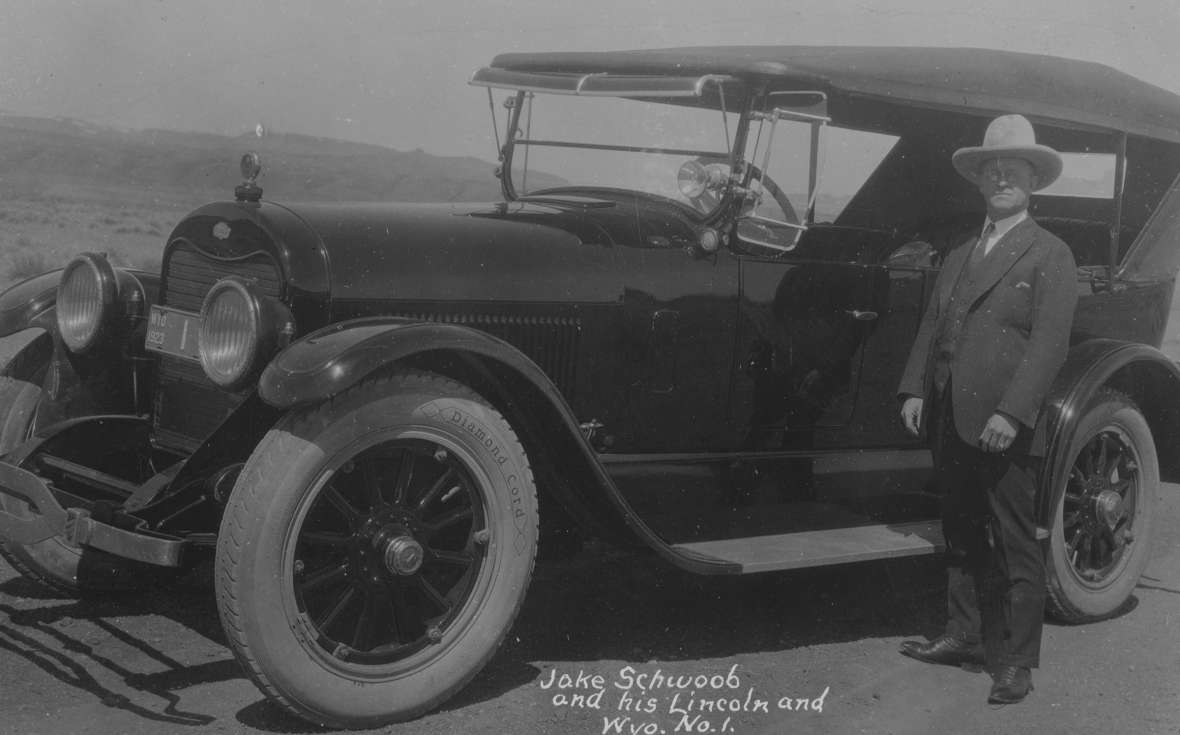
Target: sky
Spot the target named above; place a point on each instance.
(395, 73)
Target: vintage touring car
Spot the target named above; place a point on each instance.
(681, 329)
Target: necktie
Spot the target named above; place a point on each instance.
(980, 250)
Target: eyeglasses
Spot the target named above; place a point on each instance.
(996, 174)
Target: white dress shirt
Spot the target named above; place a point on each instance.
(1002, 226)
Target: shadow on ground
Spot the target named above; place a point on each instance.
(599, 605)
(43, 633)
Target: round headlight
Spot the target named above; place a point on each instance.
(86, 296)
(240, 331)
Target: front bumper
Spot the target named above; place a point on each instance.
(48, 519)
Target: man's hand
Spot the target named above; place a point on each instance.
(911, 414)
(998, 435)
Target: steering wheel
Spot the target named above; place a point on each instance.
(759, 232)
(775, 191)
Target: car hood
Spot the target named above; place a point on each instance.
(562, 250)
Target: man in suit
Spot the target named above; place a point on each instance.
(990, 344)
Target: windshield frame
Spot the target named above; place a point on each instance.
(736, 193)
(517, 132)
(727, 95)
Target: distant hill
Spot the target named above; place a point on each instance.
(295, 167)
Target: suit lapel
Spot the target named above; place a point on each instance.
(956, 260)
(1003, 256)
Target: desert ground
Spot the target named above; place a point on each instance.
(819, 647)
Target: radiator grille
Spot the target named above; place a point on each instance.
(188, 406)
(188, 276)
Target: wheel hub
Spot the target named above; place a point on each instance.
(388, 553)
(400, 552)
(1108, 506)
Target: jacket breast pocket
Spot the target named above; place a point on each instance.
(1016, 303)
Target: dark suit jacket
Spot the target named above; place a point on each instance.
(1014, 338)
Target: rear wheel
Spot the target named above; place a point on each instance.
(376, 549)
(1101, 531)
(56, 562)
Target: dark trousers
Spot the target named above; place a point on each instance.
(995, 568)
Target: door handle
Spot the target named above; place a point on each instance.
(861, 316)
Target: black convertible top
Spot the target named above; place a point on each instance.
(989, 81)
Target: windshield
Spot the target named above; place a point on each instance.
(568, 142)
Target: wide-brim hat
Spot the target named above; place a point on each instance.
(1009, 136)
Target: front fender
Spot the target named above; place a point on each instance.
(28, 303)
(1140, 371)
(335, 358)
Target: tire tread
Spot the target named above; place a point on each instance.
(261, 463)
(1057, 602)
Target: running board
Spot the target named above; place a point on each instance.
(818, 548)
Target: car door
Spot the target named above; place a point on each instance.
(804, 321)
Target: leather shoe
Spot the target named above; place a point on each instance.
(1012, 684)
(945, 649)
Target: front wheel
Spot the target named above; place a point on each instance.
(1101, 530)
(55, 562)
(376, 549)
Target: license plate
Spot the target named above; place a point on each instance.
(173, 332)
